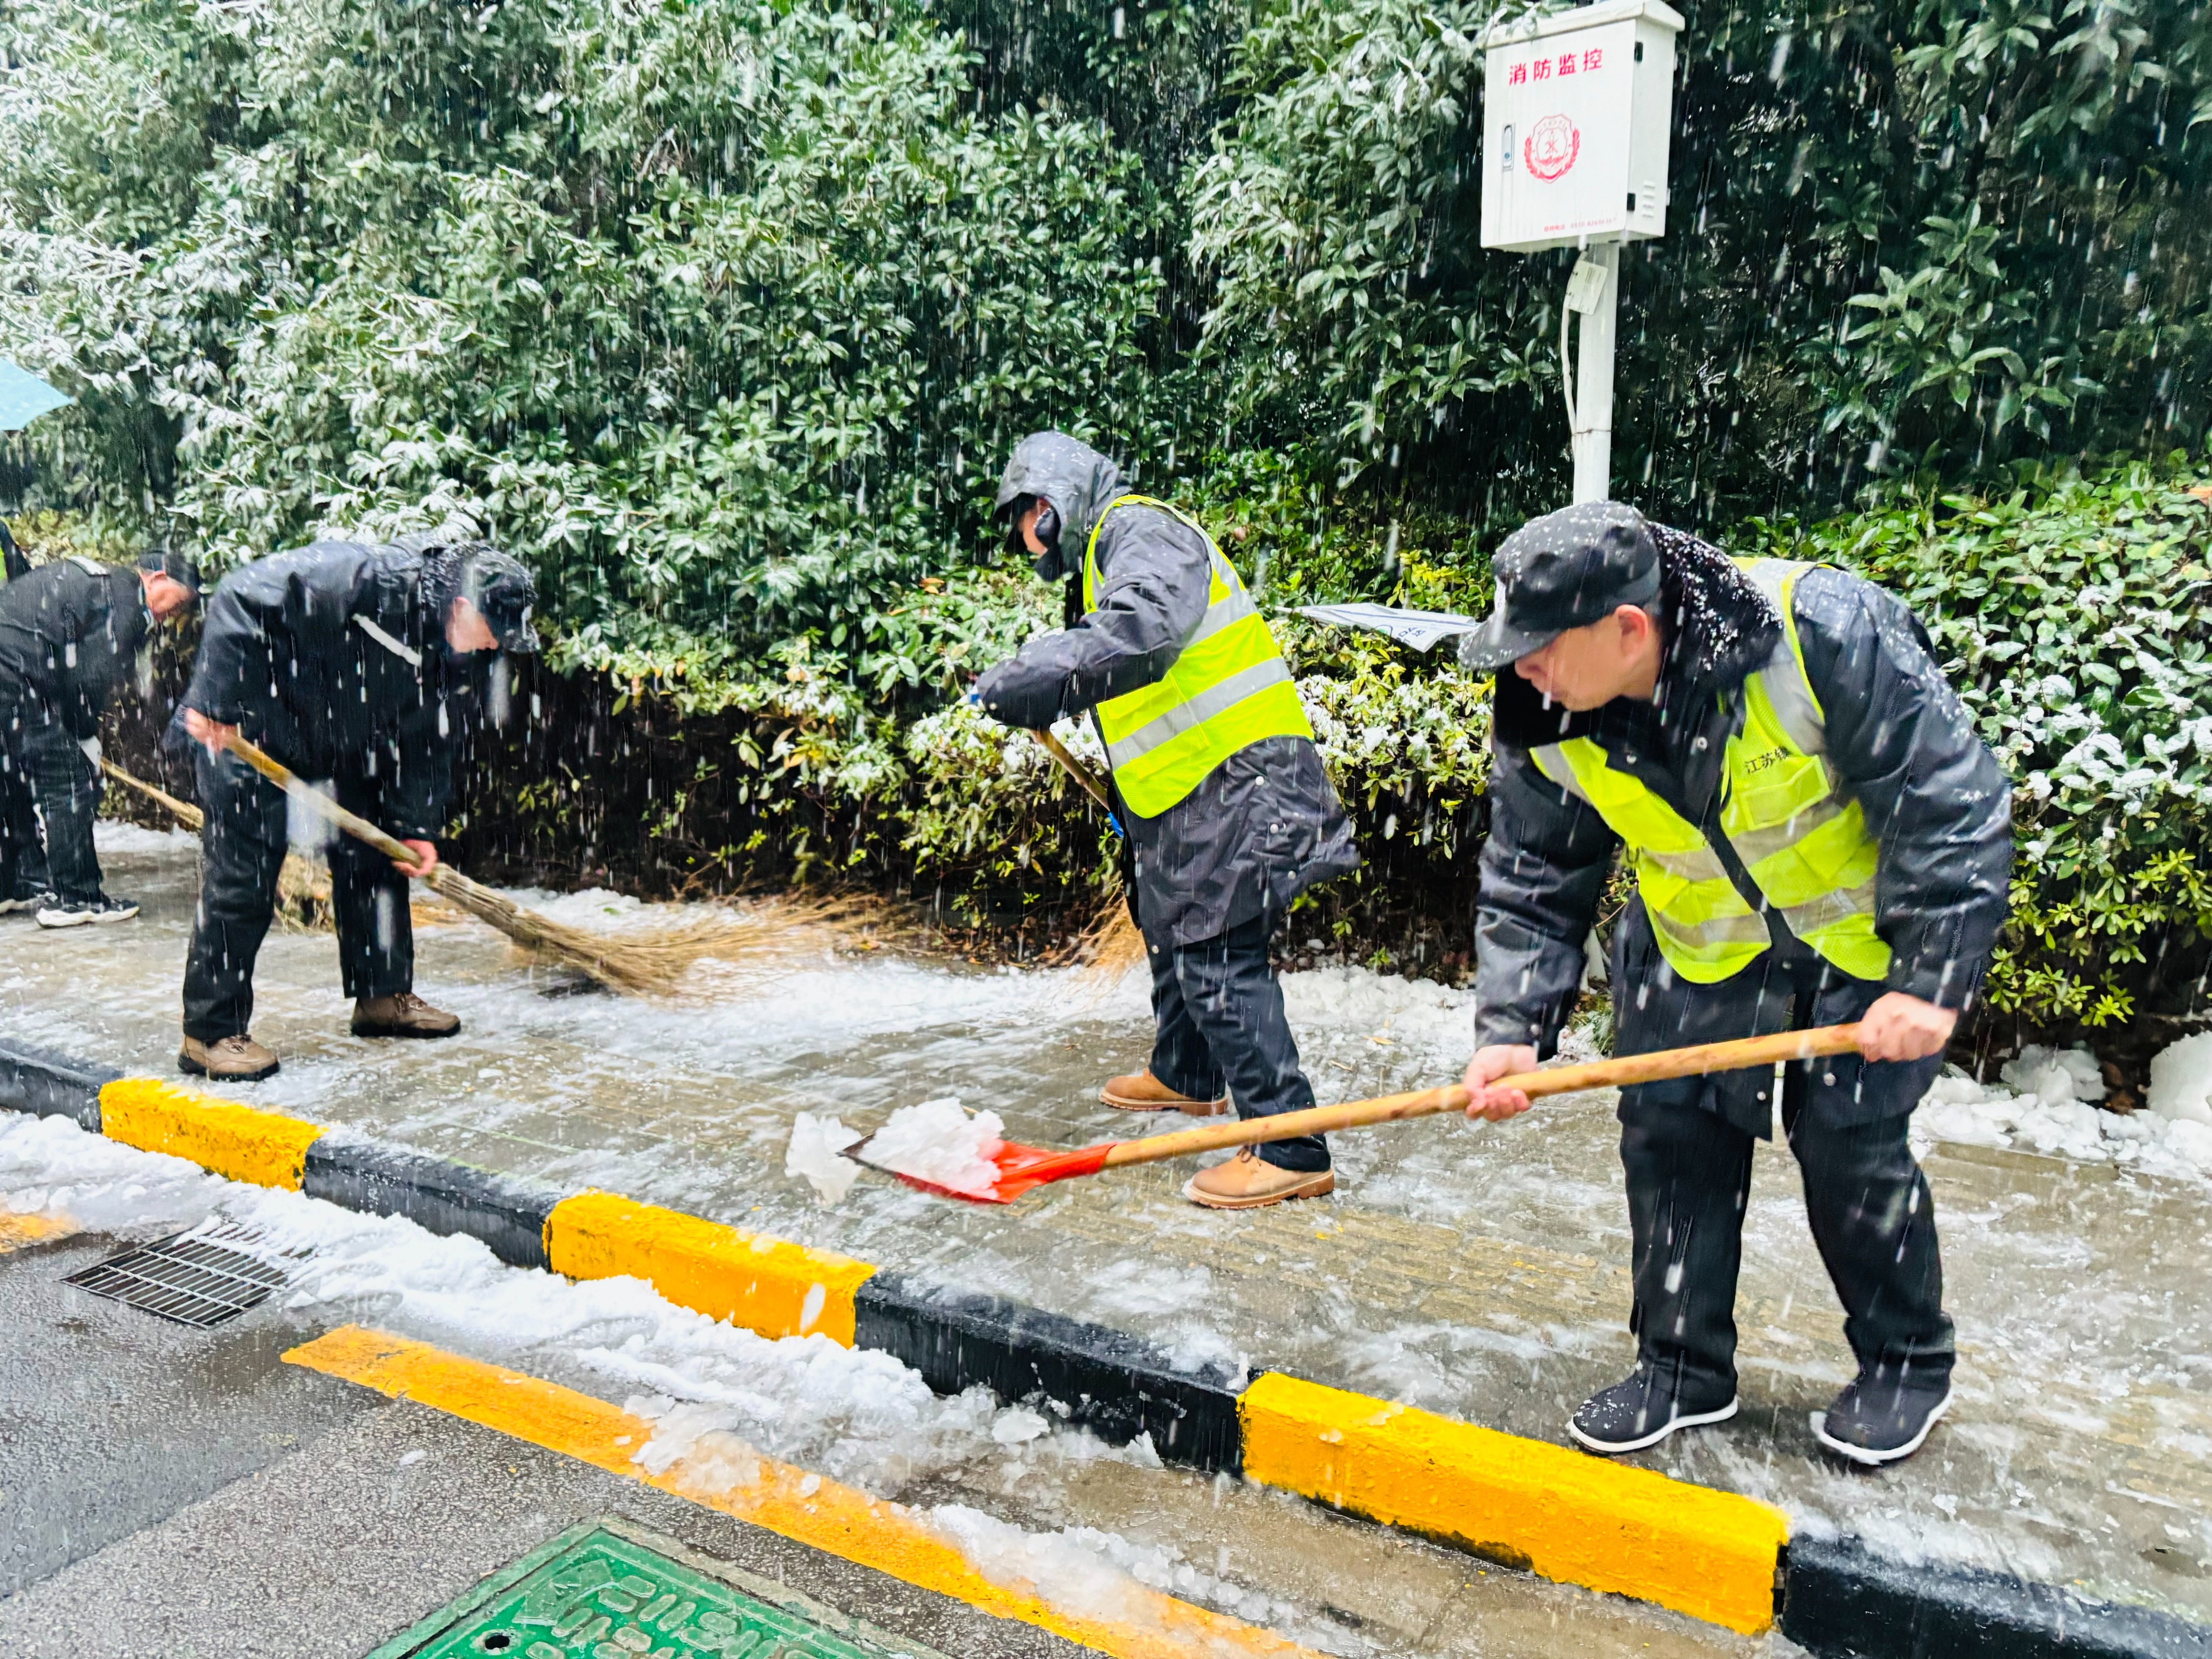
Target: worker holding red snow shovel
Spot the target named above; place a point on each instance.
(1818, 837)
(1216, 780)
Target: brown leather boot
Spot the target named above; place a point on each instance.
(1246, 1183)
(227, 1059)
(402, 1016)
(1140, 1091)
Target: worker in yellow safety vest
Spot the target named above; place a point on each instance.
(1227, 812)
(1816, 836)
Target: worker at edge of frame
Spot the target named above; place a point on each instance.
(70, 630)
(354, 664)
(1227, 812)
(1818, 836)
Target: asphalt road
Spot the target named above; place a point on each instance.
(172, 1493)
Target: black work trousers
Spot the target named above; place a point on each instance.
(1689, 1180)
(242, 843)
(49, 798)
(1218, 1011)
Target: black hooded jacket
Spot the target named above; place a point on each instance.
(70, 631)
(1896, 734)
(1264, 825)
(332, 657)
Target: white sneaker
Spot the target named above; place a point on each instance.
(78, 913)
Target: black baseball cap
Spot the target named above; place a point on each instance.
(503, 592)
(1566, 569)
(167, 562)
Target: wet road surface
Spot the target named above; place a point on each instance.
(1481, 1272)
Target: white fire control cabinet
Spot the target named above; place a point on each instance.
(1577, 110)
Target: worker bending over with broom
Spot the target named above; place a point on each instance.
(1818, 838)
(348, 663)
(70, 631)
(1216, 782)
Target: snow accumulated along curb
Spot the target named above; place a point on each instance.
(720, 1331)
(2045, 1101)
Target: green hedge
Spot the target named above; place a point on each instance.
(2073, 613)
(2074, 616)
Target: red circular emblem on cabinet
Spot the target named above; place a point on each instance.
(1552, 146)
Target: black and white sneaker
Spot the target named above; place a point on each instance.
(1884, 1418)
(24, 902)
(81, 913)
(1641, 1411)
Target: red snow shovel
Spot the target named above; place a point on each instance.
(1021, 1168)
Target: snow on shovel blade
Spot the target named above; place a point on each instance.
(1020, 1168)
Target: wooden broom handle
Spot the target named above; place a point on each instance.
(1742, 1055)
(1075, 769)
(352, 822)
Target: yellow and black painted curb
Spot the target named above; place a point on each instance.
(1578, 1520)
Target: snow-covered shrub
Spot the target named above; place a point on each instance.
(2074, 617)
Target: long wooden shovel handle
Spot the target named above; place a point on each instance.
(1742, 1055)
(352, 822)
(1074, 768)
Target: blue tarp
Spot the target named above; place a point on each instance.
(24, 397)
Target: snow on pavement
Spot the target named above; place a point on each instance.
(855, 1416)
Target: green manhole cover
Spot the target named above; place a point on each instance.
(603, 1591)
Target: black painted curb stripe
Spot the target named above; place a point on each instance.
(1837, 1598)
(1843, 1601)
(50, 1084)
(507, 1214)
(1117, 1385)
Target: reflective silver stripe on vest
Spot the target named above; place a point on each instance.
(1552, 761)
(1231, 608)
(407, 654)
(1747, 928)
(1216, 699)
(1781, 678)
(1829, 908)
(1699, 864)
(1754, 846)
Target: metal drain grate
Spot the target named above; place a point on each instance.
(204, 1277)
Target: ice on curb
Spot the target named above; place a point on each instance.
(941, 1143)
(817, 1152)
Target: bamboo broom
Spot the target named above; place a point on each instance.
(298, 883)
(1111, 945)
(639, 961)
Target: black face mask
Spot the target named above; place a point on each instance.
(1048, 564)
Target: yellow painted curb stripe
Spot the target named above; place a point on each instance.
(220, 1136)
(766, 1285)
(1563, 1514)
(22, 1227)
(724, 1475)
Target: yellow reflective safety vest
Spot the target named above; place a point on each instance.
(1229, 689)
(1801, 836)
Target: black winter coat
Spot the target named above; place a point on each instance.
(1898, 738)
(1264, 825)
(331, 658)
(70, 631)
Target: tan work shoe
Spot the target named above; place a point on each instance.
(1247, 1183)
(227, 1060)
(402, 1016)
(1140, 1091)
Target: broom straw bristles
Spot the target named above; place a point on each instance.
(635, 960)
(300, 886)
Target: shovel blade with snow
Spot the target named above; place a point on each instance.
(1022, 1169)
